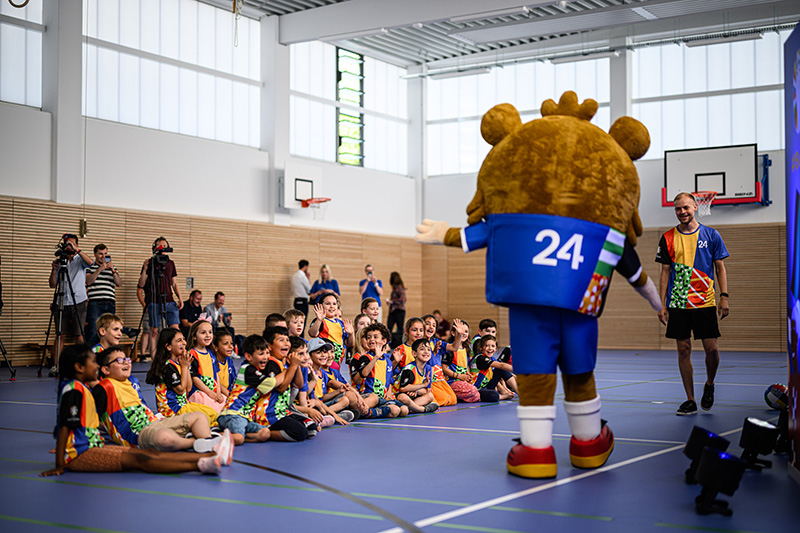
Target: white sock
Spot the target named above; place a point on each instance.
(584, 418)
(536, 425)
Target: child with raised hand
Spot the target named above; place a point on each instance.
(415, 380)
(170, 372)
(295, 322)
(375, 370)
(371, 308)
(335, 394)
(252, 383)
(272, 409)
(109, 329)
(79, 446)
(336, 331)
(131, 423)
(491, 372)
(205, 389)
(224, 369)
(442, 392)
(455, 363)
(403, 354)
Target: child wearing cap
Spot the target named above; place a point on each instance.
(329, 388)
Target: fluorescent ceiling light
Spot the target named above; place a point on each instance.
(719, 40)
(491, 14)
(355, 35)
(459, 73)
(572, 59)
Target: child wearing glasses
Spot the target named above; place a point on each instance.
(130, 423)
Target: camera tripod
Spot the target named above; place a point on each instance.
(57, 314)
(158, 294)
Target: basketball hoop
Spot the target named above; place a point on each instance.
(318, 204)
(704, 200)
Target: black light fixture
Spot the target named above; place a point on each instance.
(717, 471)
(758, 438)
(699, 439)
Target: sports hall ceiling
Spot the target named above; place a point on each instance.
(448, 34)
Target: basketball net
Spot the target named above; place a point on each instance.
(704, 200)
(317, 205)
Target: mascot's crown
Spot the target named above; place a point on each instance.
(568, 105)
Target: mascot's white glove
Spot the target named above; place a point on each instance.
(431, 231)
(649, 292)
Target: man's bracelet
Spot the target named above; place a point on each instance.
(725, 294)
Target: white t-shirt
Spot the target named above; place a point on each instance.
(300, 285)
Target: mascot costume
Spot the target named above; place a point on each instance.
(556, 209)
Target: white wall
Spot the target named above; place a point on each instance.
(446, 198)
(25, 157)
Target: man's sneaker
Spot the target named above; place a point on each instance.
(707, 401)
(224, 448)
(209, 465)
(347, 415)
(205, 445)
(689, 407)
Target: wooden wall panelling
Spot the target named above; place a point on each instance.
(412, 273)
(344, 253)
(6, 274)
(435, 275)
(467, 288)
(385, 255)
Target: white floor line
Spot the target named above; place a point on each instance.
(28, 403)
(527, 492)
(506, 432)
(673, 381)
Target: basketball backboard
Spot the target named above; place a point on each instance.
(300, 182)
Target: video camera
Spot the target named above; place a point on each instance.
(61, 248)
(160, 254)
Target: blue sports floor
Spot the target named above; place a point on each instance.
(431, 472)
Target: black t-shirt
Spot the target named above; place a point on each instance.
(191, 313)
(100, 398)
(272, 369)
(70, 409)
(165, 287)
(171, 376)
(358, 364)
(254, 376)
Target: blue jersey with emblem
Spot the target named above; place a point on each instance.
(546, 260)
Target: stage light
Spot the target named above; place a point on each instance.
(717, 471)
(699, 439)
(758, 438)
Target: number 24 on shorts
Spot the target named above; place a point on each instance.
(570, 251)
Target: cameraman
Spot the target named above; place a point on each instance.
(73, 317)
(165, 284)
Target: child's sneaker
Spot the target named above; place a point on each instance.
(528, 462)
(327, 421)
(209, 465)
(707, 401)
(689, 407)
(347, 415)
(592, 453)
(224, 448)
(431, 407)
(205, 445)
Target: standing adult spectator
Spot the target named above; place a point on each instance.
(74, 312)
(372, 287)
(687, 252)
(191, 311)
(444, 326)
(301, 287)
(159, 280)
(397, 306)
(324, 285)
(218, 315)
(101, 280)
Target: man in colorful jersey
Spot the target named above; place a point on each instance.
(690, 254)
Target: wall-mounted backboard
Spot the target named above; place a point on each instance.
(730, 171)
(300, 182)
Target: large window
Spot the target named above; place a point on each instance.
(716, 95)
(21, 54)
(456, 105)
(347, 108)
(173, 66)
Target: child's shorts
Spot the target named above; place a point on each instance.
(178, 423)
(238, 424)
(333, 400)
(98, 459)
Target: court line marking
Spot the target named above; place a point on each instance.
(57, 524)
(508, 432)
(28, 403)
(676, 380)
(540, 488)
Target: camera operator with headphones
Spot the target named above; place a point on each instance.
(159, 280)
(73, 317)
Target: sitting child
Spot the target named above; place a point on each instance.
(327, 326)
(272, 409)
(129, 422)
(251, 384)
(170, 372)
(205, 388)
(329, 389)
(109, 328)
(295, 322)
(224, 369)
(403, 354)
(487, 326)
(455, 363)
(305, 381)
(79, 446)
(375, 370)
(491, 371)
(371, 308)
(415, 380)
(443, 393)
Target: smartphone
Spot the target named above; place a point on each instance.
(108, 259)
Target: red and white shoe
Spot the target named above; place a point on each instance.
(535, 463)
(209, 465)
(592, 453)
(224, 448)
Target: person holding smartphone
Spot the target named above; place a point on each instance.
(101, 280)
(372, 287)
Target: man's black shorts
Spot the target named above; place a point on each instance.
(702, 321)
